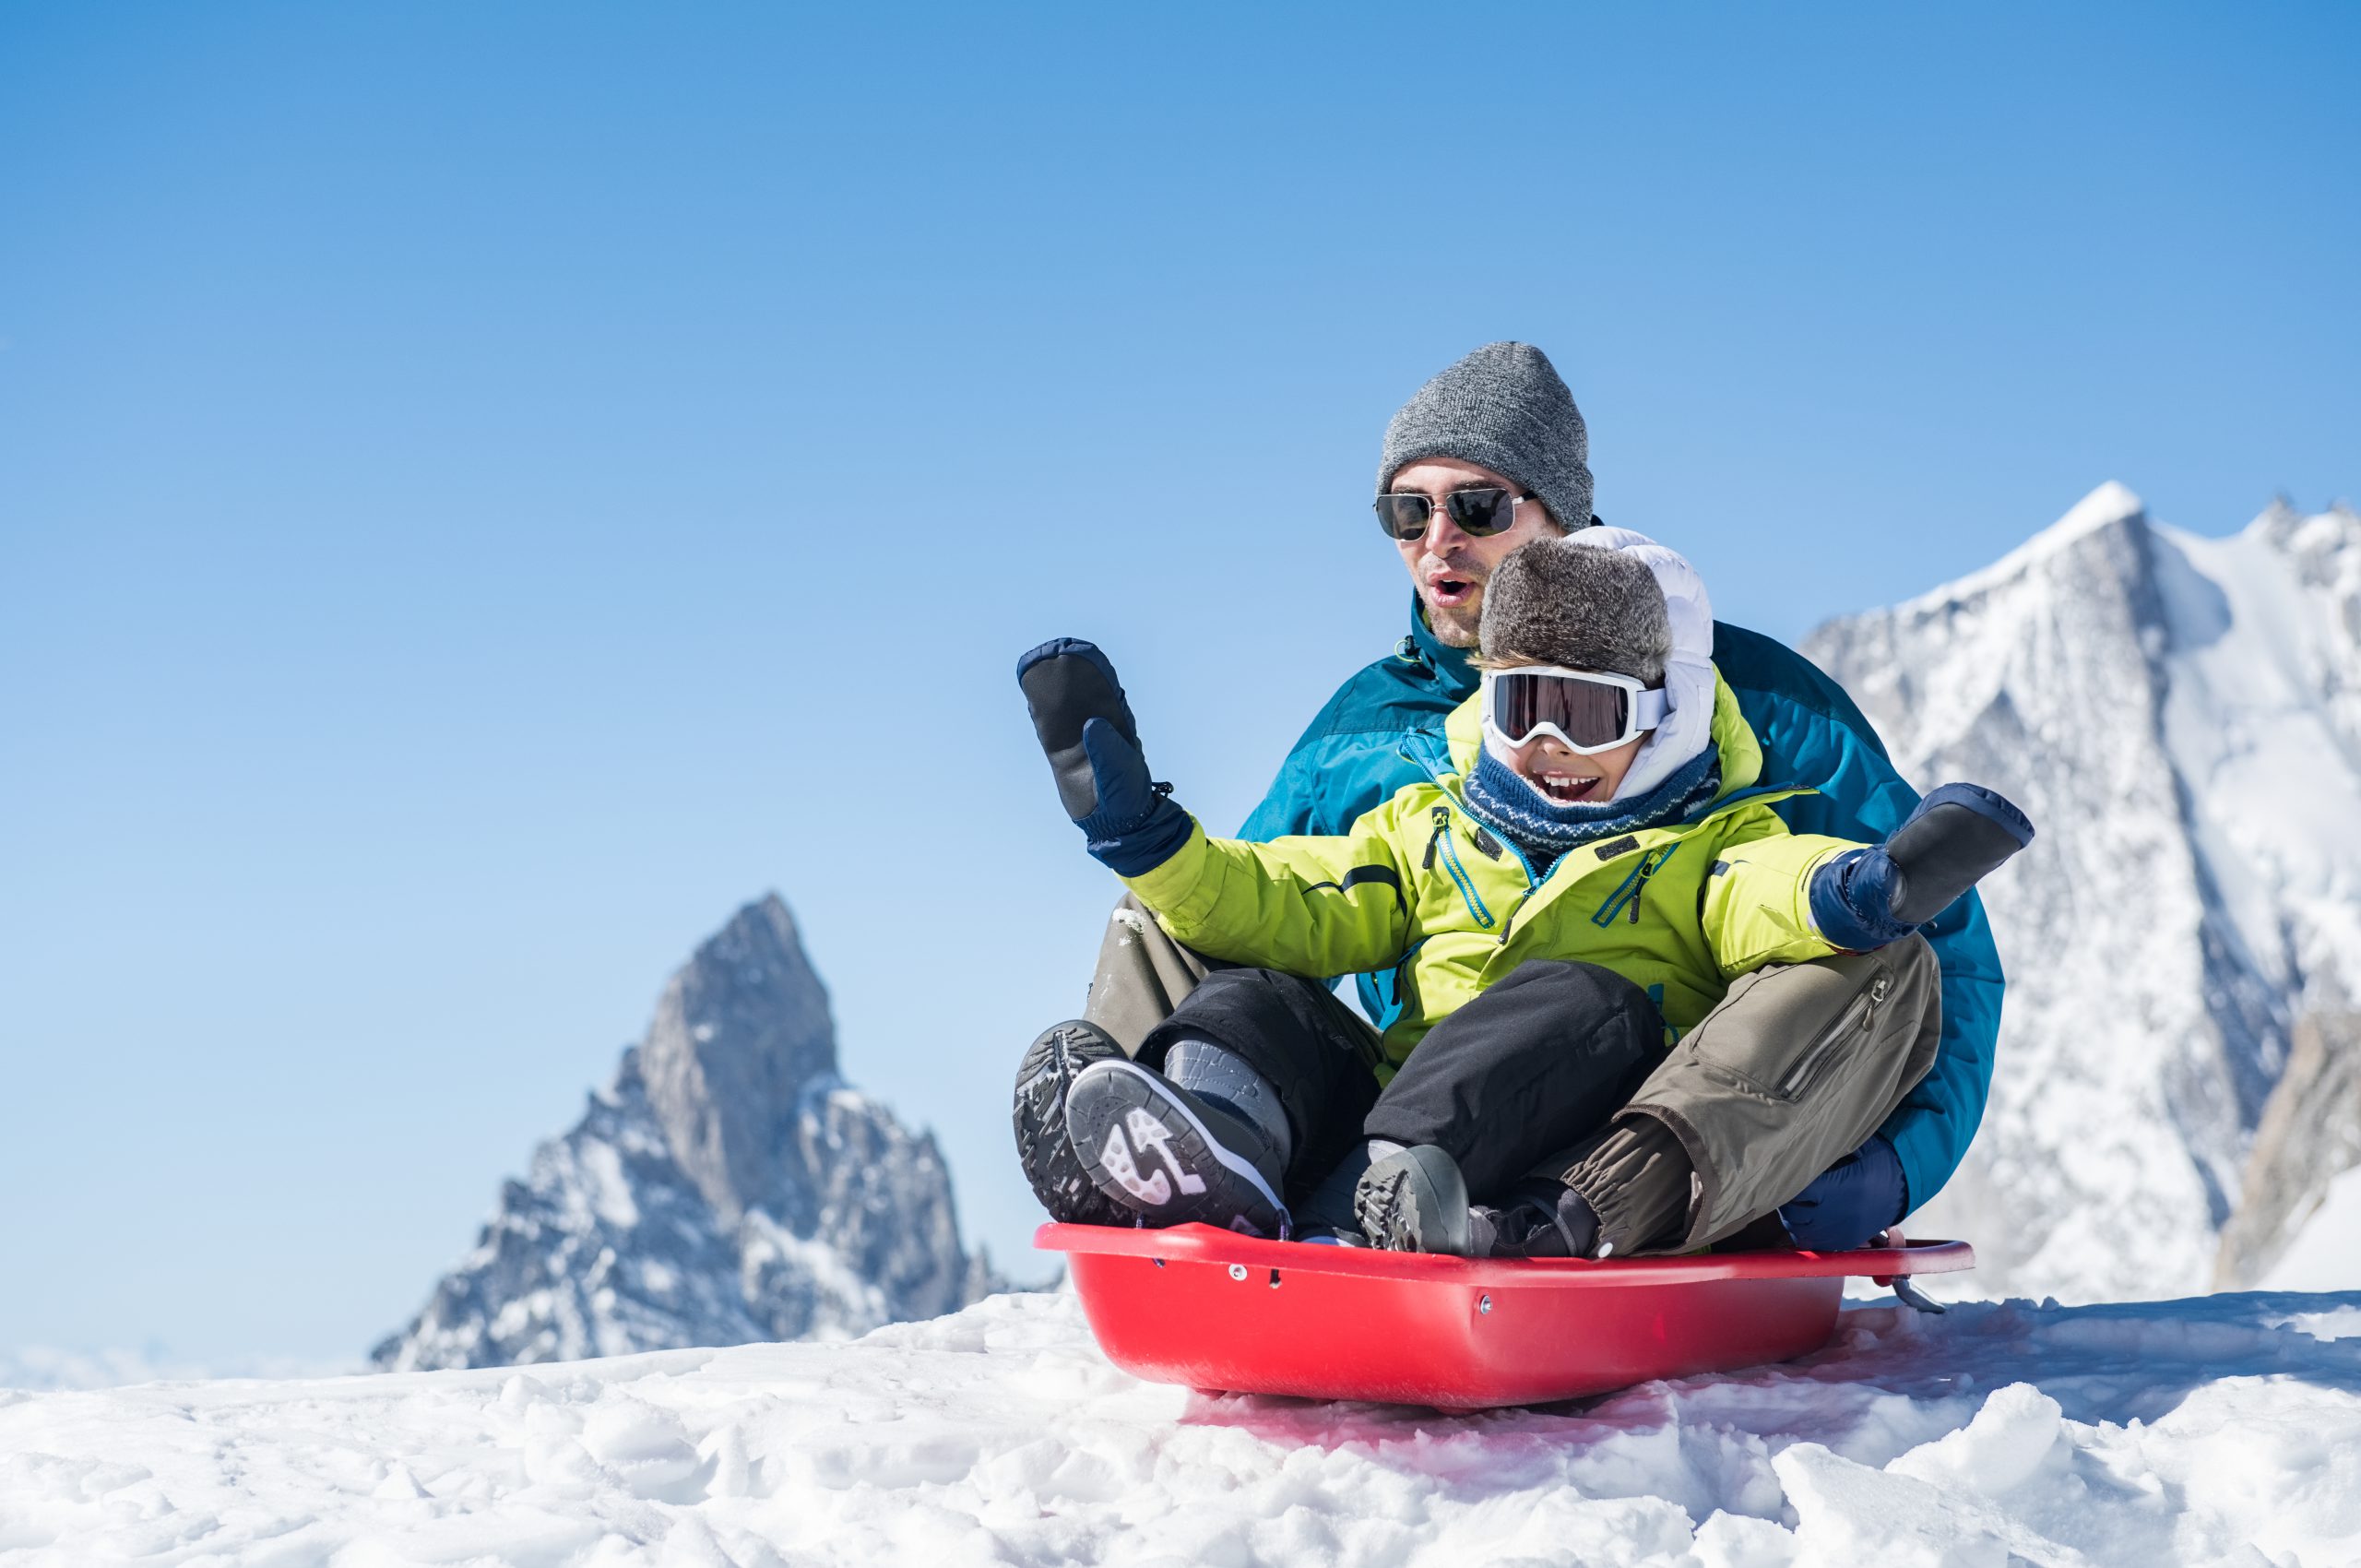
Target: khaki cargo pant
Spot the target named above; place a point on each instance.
(1791, 1071)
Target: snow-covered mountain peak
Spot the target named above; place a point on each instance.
(2113, 502)
(2179, 715)
(2112, 509)
(2310, 596)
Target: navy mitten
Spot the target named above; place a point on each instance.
(1086, 727)
(1848, 1203)
(1866, 898)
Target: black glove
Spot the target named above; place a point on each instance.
(1086, 727)
(1866, 898)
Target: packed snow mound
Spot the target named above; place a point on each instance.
(726, 1187)
(2222, 1430)
(2181, 718)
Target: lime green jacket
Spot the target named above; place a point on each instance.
(1421, 886)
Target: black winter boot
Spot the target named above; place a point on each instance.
(1544, 1219)
(1171, 1157)
(1415, 1200)
(1057, 1176)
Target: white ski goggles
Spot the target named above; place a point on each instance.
(1585, 711)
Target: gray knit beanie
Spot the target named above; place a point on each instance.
(1563, 601)
(1505, 408)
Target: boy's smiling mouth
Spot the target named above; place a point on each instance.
(1565, 788)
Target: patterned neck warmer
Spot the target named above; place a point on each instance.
(1515, 808)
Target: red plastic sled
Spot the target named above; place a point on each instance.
(1211, 1310)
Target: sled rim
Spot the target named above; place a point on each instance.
(1202, 1243)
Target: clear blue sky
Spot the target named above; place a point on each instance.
(469, 473)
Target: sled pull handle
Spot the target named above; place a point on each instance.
(1908, 1294)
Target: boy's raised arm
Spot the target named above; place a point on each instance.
(1311, 906)
(1780, 897)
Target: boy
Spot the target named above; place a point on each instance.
(1586, 873)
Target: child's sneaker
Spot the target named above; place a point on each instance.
(1170, 1156)
(1043, 1080)
(1415, 1200)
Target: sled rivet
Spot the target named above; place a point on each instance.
(1483, 1304)
(1238, 1271)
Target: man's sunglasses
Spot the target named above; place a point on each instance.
(1476, 513)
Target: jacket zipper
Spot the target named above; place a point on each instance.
(1441, 839)
(1627, 892)
(1649, 866)
(1459, 874)
(1855, 1019)
(1532, 885)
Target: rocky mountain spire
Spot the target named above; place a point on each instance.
(726, 1187)
(738, 1034)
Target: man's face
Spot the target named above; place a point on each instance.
(1451, 567)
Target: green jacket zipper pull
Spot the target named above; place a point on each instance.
(1649, 866)
(1440, 816)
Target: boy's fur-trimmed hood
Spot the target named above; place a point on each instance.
(1694, 696)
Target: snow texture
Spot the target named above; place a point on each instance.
(2220, 1431)
(2181, 718)
(726, 1187)
(51, 1366)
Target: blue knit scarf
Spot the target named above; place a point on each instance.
(1515, 808)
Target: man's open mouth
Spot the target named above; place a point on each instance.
(1450, 592)
(1565, 788)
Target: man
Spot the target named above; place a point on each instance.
(1489, 455)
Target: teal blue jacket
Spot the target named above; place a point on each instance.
(1353, 756)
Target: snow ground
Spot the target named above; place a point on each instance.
(45, 1367)
(2221, 1429)
(2327, 1251)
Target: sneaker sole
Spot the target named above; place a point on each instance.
(1147, 1150)
(1051, 1168)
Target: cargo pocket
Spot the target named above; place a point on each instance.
(1849, 1031)
(1782, 1029)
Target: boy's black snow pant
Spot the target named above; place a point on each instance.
(1538, 1062)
